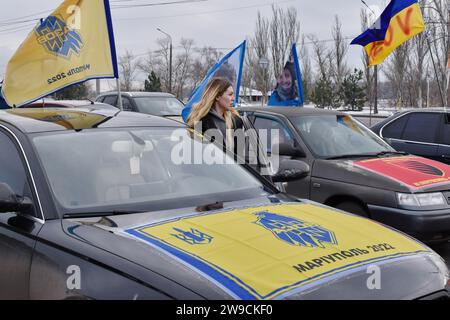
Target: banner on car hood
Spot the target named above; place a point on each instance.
(414, 172)
(273, 251)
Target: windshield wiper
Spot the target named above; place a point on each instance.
(385, 153)
(100, 214)
(346, 156)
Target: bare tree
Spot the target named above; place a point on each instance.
(321, 56)
(339, 68)
(284, 31)
(205, 59)
(128, 68)
(162, 60)
(369, 76)
(396, 71)
(258, 59)
(183, 65)
(437, 14)
(307, 73)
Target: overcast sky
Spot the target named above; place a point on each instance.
(216, 23)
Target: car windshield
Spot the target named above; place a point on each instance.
(159, 106)
(338, 135)
(101, 170)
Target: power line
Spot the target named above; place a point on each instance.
(154, 4)
(206, 12)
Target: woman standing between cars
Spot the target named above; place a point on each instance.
(216, 115)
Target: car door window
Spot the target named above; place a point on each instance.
(263, 123)
(126, 103)
(12, 170)
(110, 100)
(445, 136)
(394, 130)
(422, 127)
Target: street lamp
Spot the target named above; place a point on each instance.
(170, 58)
(264, 64)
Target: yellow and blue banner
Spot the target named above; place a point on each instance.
(399, 22)
(72, 45)
(289, 89)
(274, 251)
(229, 67)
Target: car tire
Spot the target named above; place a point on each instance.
(353, 207)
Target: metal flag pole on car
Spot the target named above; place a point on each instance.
(119, 94)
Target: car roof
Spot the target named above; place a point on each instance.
(34, 120)
(291, 111)
(139, 94)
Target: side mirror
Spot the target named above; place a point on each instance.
(285, 149)
(291, 170)
(10, 202)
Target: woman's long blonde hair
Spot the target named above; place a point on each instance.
(214, 89)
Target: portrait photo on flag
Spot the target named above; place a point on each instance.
(288, 90)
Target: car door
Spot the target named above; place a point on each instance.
(419, 134)
(444, 140)
(265, 124)
(17, 232)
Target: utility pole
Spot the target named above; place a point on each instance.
(170, 57)
(375, 106)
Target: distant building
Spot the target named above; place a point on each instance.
(251, 96)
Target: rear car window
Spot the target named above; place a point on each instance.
(110, 100)
(422, 127)
(445, 136)
(395, 129)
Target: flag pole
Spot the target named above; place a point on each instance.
(119, 97)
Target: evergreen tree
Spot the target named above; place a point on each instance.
(353, 92)
(322, 95)
(153, 83)
(75, 92)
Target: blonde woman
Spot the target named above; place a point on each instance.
(216, 113)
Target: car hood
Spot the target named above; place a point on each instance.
(400, 173)
(261, 252)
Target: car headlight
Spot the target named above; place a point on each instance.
(421, 199)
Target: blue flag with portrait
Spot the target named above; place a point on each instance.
(229, 67)
(289, 88)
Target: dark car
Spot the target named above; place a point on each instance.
(106, 205)
(354, 170)
(423, 132)
(153, 103)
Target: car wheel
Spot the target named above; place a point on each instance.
(353, 207)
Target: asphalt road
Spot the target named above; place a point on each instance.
(444, 251)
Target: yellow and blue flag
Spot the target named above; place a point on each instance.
(399, 22)
(72, 45)
(229, 67)
(289, 89)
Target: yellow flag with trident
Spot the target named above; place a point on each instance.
(72, 45)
